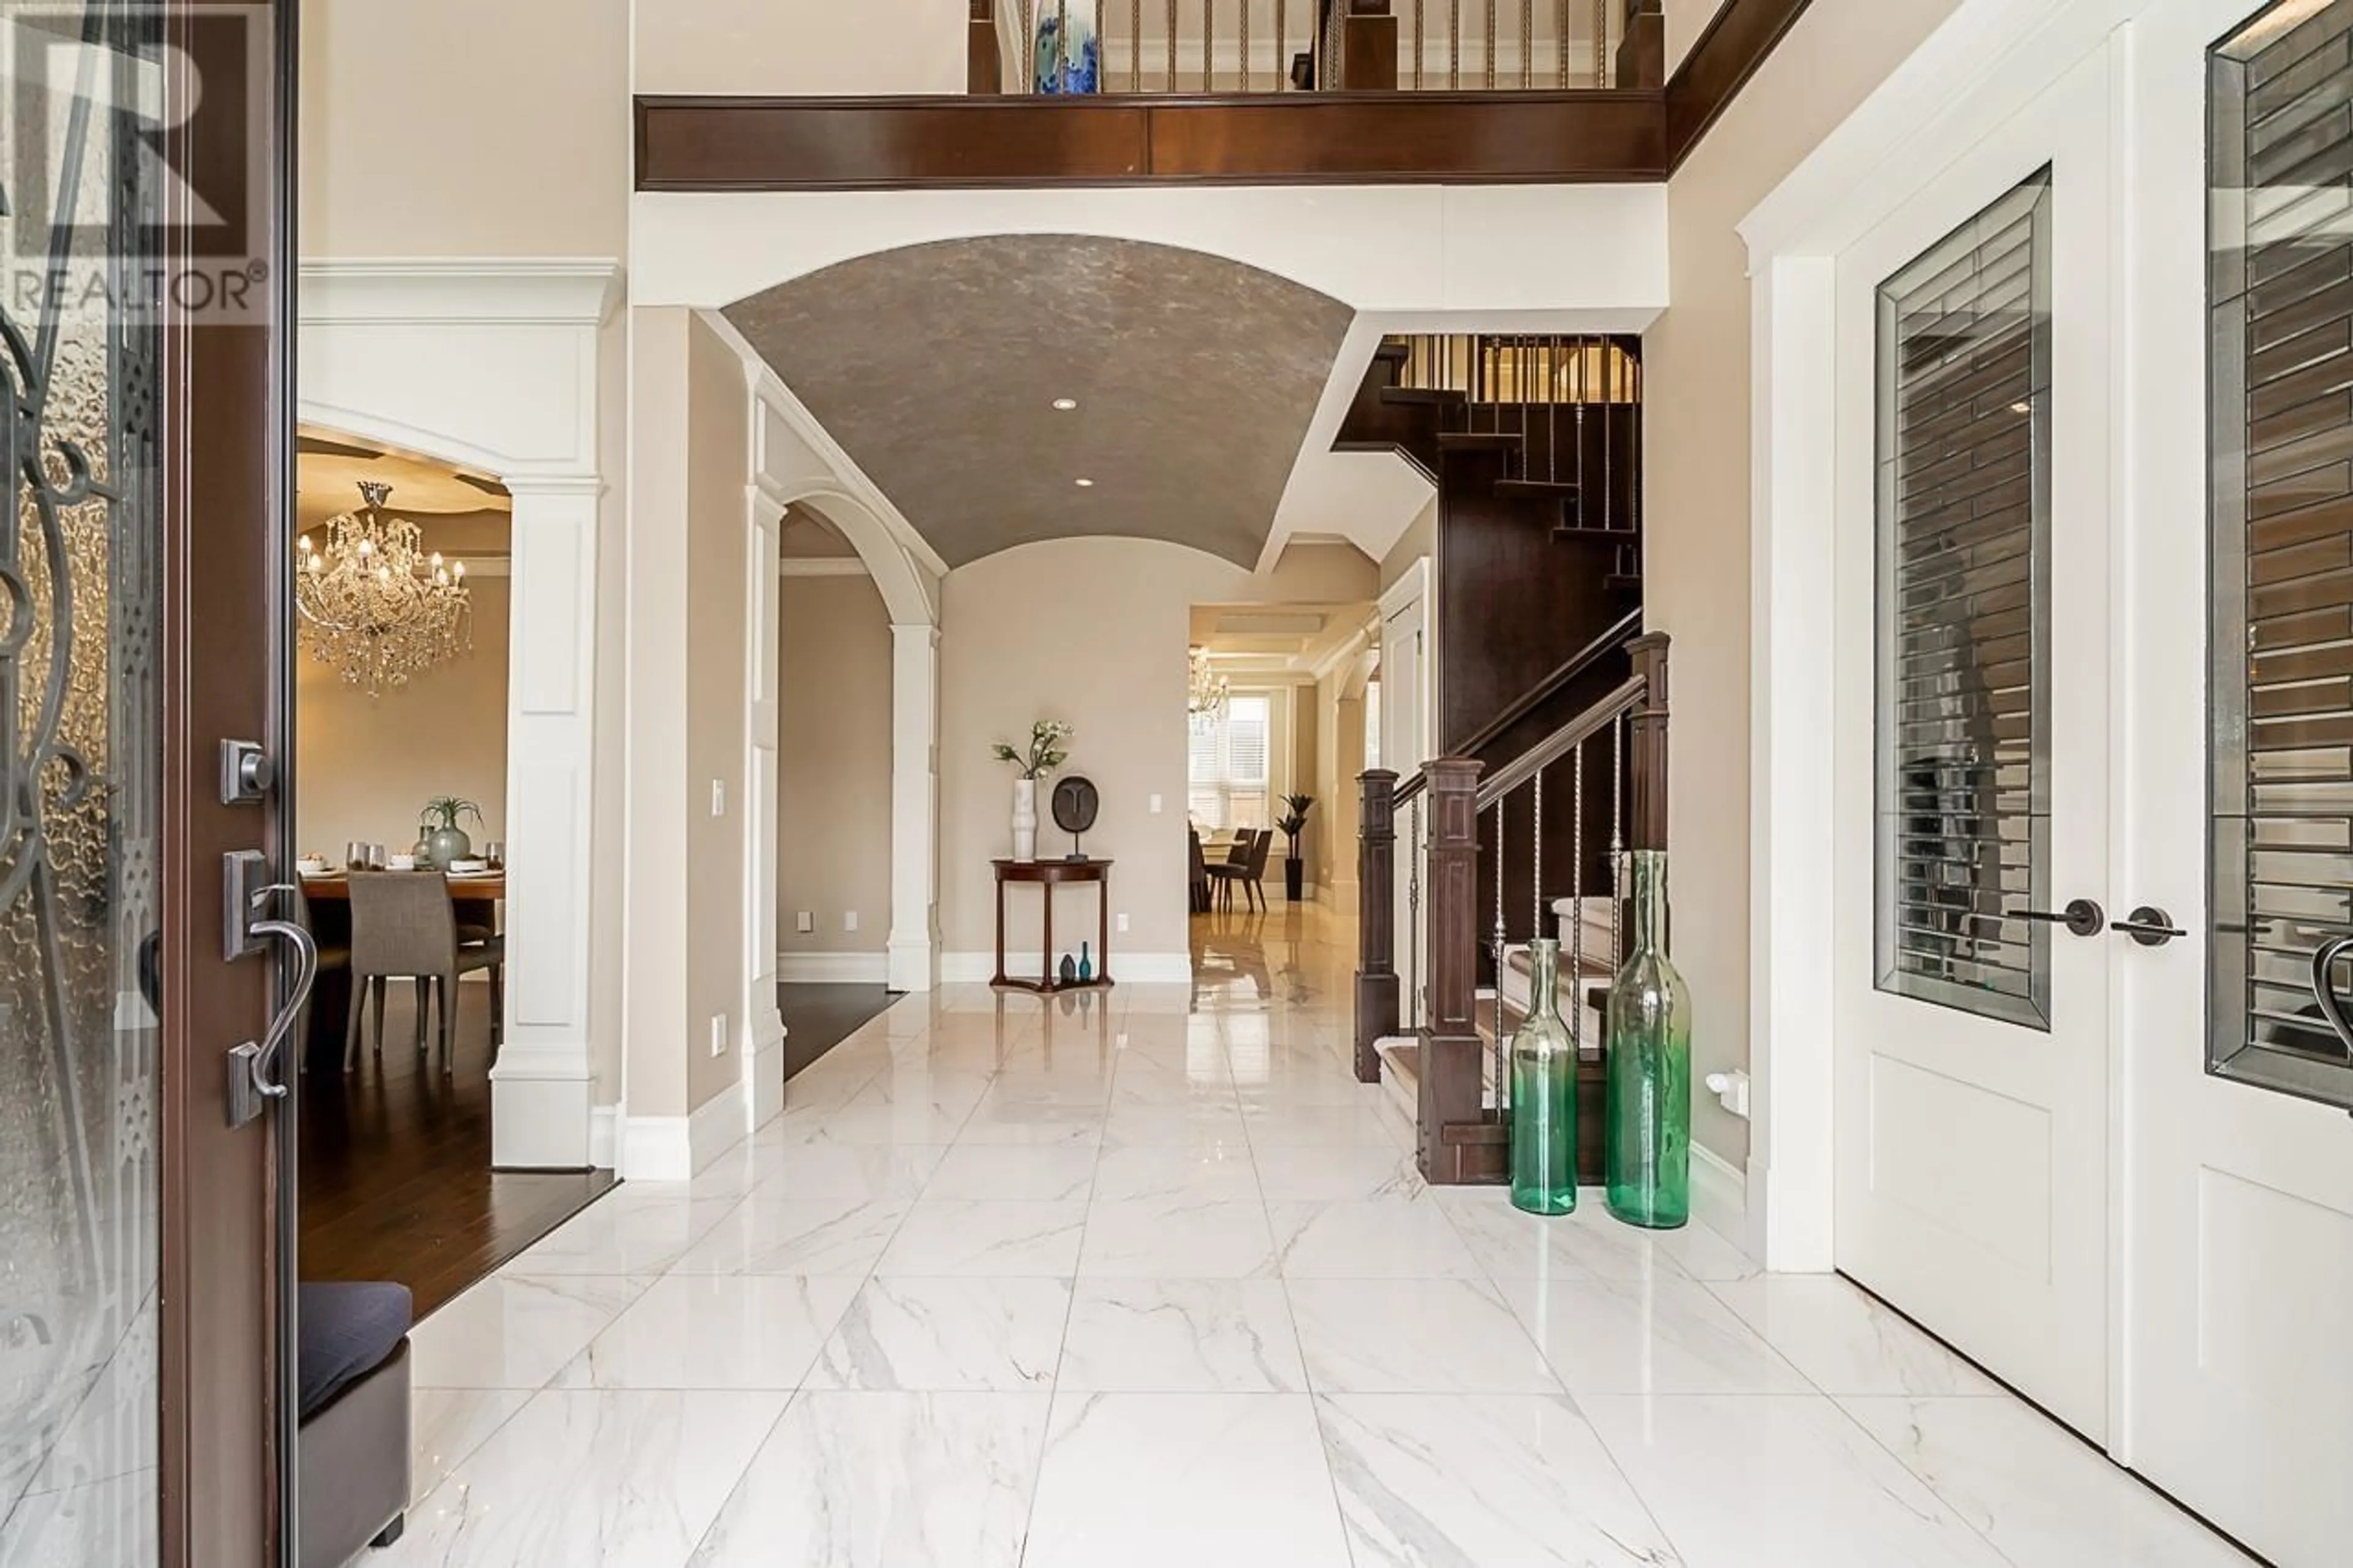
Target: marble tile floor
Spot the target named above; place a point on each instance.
(1147, 1279)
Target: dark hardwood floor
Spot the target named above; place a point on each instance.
(395, 1180)
(819, 1017)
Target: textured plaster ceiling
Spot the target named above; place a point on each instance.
(936, 367)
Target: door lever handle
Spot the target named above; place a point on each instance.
(253, 1085)
(2149, 926)
(2082, 916)
(2324, 988)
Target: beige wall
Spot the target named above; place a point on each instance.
(1686, 20)
(364, 765)
(833, 792)
(802, 46)
(455, 128)
(718, 545)
(1695, 383)
(1092, 631)
(1419, 539)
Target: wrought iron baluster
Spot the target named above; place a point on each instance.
(1616, 838)
(1248, 76)
(1208, 45)
(1454, 43)
(1535, 873)
(1169, 85)
(1282, 46)
(1136, 46)
(1600, 43)
(1577, 899)
(1560, 40)
(1062, 42)
(1418, 43)
(1527, 43)
(1497, 946)
(1490, 62)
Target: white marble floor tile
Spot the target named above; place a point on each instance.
(109, 1521)
(969, 1335)
(1136, 1124)
(1289, 1174)
(2042, 1495)
(886, 1481)
(716, 1331)
(590, 1480)
(1215, 1171)
(1704, 1253)
(1027, 1122)
(873, 1119)
(643, 1235)
(1846, 1341)
(1453, 1480)
(1777, 1481)
(1177, 1238)
(1182, 1336)
(1586, 1245)
(1275, 1126)
(1660, 1335)
(512, 1332)
(1385, 1238)
(830, 1233)
(1185, 1480)
(807, 1170)
(446, 1424)
(991, 1172)
(950, 1237)
(1414, 1336)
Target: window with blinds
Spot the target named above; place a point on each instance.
(2281, 703)
(1228, 765)
(1963, 656)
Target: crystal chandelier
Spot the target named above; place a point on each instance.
(376, 606)
(1205, 698)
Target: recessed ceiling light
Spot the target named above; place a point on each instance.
(1086, 484)
(1066, 403)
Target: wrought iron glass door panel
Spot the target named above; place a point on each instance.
(80, 809)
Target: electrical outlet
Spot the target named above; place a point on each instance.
(1123, 925)
(850, 920)
(718, 797)
(1156, 805)
(719, 1034)
(803, 922)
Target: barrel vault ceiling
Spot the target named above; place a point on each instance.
(938, 369)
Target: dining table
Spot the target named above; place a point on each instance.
(474, 896)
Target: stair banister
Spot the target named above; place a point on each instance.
(1647, 763)
(1452, 1049)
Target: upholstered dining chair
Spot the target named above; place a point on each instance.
(404, 923)
(1243, 868)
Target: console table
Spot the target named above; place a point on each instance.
(1050, 875)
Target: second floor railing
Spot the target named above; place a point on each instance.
(1282, 46)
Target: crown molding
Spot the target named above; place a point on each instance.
(579, 292)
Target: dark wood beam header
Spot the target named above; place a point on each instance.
(894, 143)
(715, 143)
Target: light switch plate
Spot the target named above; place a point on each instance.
(803, 922)
(1156, 805)
(1123, 925)
(718, 797)
(850, 920)
(719, 1034)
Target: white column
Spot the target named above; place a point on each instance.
(764, 1044)
(914, 806)
(540, 1089)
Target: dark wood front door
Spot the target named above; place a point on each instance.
(144, 337)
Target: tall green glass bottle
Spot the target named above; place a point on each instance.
(1648, 1155)
(1543, 1094)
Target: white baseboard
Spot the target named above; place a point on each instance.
(1136, 968)
(1719, 1195)
(604, 1137)
(675, 1148)
(833, 968)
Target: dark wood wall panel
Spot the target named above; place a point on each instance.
(710, 144)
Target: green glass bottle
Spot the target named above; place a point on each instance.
(1647, 1158)
(1543, 1094)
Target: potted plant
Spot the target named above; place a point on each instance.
(1045, 754)
(1294, 822)
(443, 842)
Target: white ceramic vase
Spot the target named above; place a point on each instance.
(1025, 819)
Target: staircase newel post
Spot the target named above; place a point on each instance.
(1368, 50)
(1452, 1055)
(1377, 980)
(1642, 50)
(1647, 746)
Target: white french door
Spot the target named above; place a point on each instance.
(2239, 1257)
(1971, 783)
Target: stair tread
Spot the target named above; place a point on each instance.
(1438, 395)
(1546, 490)
(1492, 440)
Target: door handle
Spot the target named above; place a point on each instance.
(253, 1085)
(2324, 990)
(2149, 926)
(2082, 916)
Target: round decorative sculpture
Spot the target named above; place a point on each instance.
(1075, 804)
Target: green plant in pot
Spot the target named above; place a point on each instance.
(441, 842)
(1294, 822)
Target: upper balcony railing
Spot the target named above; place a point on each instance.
(1231, 47)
